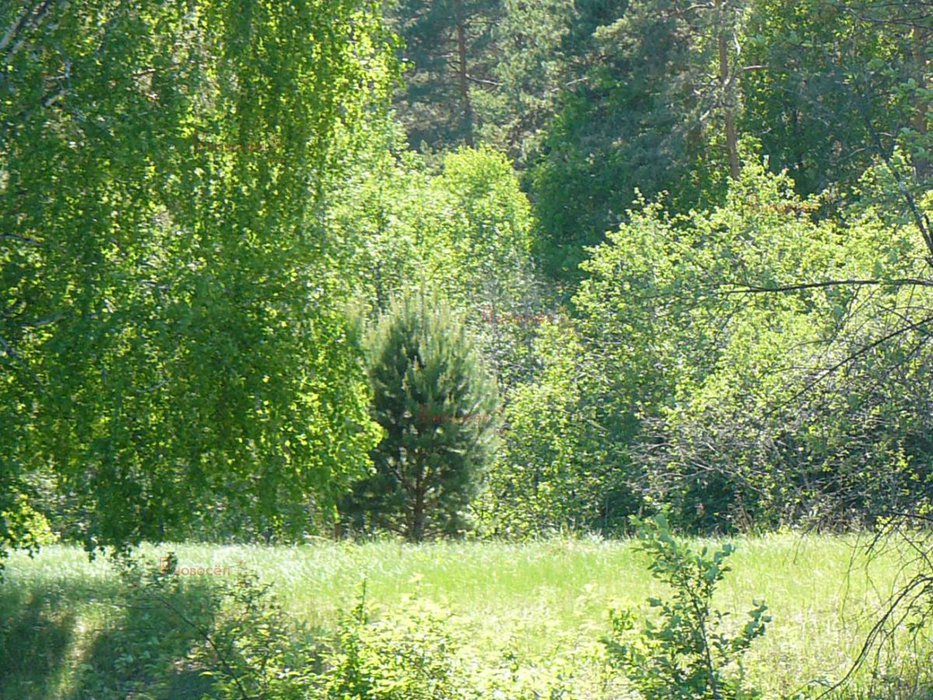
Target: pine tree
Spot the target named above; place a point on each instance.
(653, 110)
(437, 407)
(449, 51)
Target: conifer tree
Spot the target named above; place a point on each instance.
(449, 51)
(437, 407)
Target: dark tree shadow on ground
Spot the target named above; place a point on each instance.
(71, 641)
(36, 632)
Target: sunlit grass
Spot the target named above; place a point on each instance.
(535, 598)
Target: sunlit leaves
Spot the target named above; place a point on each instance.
(166, 315)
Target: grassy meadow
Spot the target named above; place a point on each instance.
(541, 605)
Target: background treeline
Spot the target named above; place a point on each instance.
(504, 267)
(748, 344)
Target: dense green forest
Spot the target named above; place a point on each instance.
(689, 242)
(491, 269)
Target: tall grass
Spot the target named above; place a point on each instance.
(533, 599)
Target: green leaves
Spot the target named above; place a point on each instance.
(399, 658)
(817, 110)
(687, 654)
(464, 228)
(729, 337)
(166, 297)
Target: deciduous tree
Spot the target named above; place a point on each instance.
(168, 341)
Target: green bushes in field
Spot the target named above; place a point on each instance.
(148, 640)
(253, 649)
(229, 638)
(402, 659)
(730, 365)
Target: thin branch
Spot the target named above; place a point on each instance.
(483, 81)
(207, 637)
(47, 321)
(920, 217)
(29, 19)
(876, 630)
(21, 239)
(851, 358)
(14, 29)
(8, 349)
(901, 282)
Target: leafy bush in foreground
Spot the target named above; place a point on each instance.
(230, 639)
(687, 655)
(393, 660)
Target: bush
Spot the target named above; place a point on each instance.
(185, 636)
(687, 655)
(154, 621)
(254, 650)
(410, 658)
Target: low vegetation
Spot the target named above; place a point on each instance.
(504, 620)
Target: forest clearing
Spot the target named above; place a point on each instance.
(466, 349)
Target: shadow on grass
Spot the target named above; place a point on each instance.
(78, 640)
(69, 641)
(36, 632)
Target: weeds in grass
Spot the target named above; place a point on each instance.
(519, 621)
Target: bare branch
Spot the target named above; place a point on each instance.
(21, 239)
(47, 321)
(8, 349)
(15, 36)
(920, 581)
(918, 325)
(483, 81)
(901, 282)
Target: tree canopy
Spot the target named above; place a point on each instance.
(689, 242)
(170, 341)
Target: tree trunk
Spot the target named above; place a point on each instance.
(462, 75)
(727, 87)
(418, 516)
(918, 45)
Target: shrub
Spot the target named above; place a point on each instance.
(254, 650)
(178, 636)
(687, 654)
(153, 622)
(410, 658)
